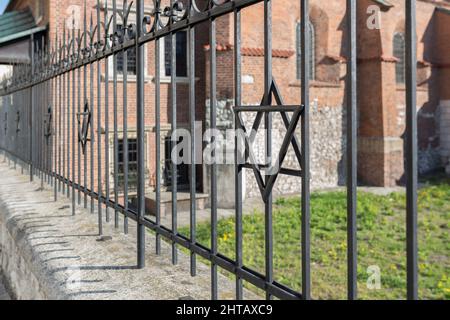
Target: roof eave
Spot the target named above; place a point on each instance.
(22, 34)
(443, 10)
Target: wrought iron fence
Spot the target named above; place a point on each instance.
(56, 98)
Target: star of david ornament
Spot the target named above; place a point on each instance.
(48, 123)
(84, 122)
(266, 186)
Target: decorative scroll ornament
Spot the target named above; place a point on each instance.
(266, 186)
(84, 122)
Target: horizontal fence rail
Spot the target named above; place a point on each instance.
(59, 108)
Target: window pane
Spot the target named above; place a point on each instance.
(131, 60)
(181, 56)
(312, 52)
(399, 53)
(131, 55)
(132, 156)
(299, 51)
(167, 54)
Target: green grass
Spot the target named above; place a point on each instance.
(381, 242)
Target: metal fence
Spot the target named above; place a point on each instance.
(57, 97)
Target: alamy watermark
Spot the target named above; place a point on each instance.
(374, 279)
(213, 147)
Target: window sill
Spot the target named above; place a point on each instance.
(402, 87)
(130, 78)
(317, 84)
(147, 78)
(178, 80)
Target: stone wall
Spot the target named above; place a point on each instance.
(445, 134)
(327, 131)
(327, 152)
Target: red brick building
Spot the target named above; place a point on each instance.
(381, 88)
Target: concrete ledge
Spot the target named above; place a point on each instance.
(46, 253)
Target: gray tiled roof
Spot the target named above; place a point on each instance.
(15, 22)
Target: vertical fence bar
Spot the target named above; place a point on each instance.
(41, 125)
(43, 100)
(238, 166)
(125, 120)
(64, 111)
(35, 115)
(78, 125)
(68, 113)
(73, 118)
(411, 150)
(99, 126)
(192, 167)
(49, 117)
(46, 118)
(352, 159)
(115, 115)
(55, 117)
(158, 135)
(268, 125)
(91, 104)
(85, 101)
(60, 117)
(31, 107)
(107, 173)
(44, 149)
(306, 51)
(173, 112)
(140, 137)
(52, 123)
(213, 117)
(40, 122)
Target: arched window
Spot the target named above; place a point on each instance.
(399, 53)
(312, 53)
